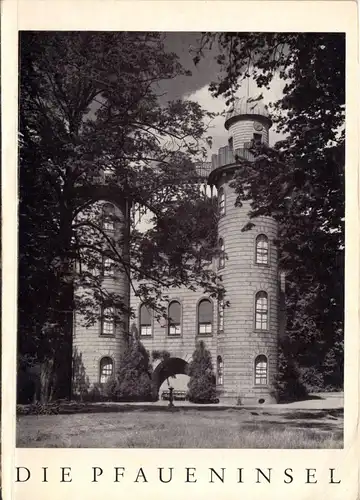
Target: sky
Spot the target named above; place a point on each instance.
(196, 86)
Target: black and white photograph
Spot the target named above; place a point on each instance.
(181, 239)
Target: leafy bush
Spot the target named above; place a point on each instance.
(38, 409)
(95, 394)
(333, 366)
(288, 383)
(202, 384)
(311, 378)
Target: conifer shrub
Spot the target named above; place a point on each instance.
(133, 381)
(202, 383)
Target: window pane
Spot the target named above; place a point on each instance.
(145, 330)
(108, 327)
(108, 267)
(261, 311)
(108, 324)
(262, 249)
(205, 328)
(205, 317)
(174, 329)
(145, 318)
(174, 312)
(108, 217)
(257, 139)
(221, 315)
(261, 370)
(106, 369)
(219, 370)
(205, 311)
(221, 200)
(145, 321)
(174, 318)
(222, 253)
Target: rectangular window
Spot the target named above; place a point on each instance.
(221, 201)
(108, 327)
(108, 322)
(261, 320)
(222, 253)
(221, 316)
(108, 267)
(107, 174)
(174, 329)
(257, 138)
(262, 249)
(261, 255)
(205, 328)
(145, 330)
(220, 368)
(109, 225)
(261, 372)
(261, 311)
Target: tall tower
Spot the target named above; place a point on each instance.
(97, 349)
(248, 330)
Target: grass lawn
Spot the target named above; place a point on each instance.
(182, 429)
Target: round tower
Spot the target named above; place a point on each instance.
(247, 340)
(98, 348)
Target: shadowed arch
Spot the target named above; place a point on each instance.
(168, 368)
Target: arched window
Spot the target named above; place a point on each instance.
(174, 323)
(222, 254)
(261, 370)
(261, 311)
(256, 141)
(145, 322)
(220, 370)
(106, 369)
(205, 317)
(107, 174)
(108, 214)
(221, 201)
(262, 249)
(108, 267)
(108, 321)
(221, 316)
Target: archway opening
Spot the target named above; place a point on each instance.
(171, 372)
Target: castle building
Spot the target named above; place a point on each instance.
(243, 336)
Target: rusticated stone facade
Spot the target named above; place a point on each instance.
(244, 342)
(95, 343)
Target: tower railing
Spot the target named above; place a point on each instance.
(227, 155)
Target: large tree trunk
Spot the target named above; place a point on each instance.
(57, 376)
(62, 388)
(46, 379)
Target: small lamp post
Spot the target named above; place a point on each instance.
(171, 397)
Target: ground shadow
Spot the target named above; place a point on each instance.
(335, 413)
(309, 397)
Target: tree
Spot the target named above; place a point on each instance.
(92, 128)
(202, 384)
(299, 182)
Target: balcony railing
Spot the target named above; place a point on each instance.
(227, 156)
